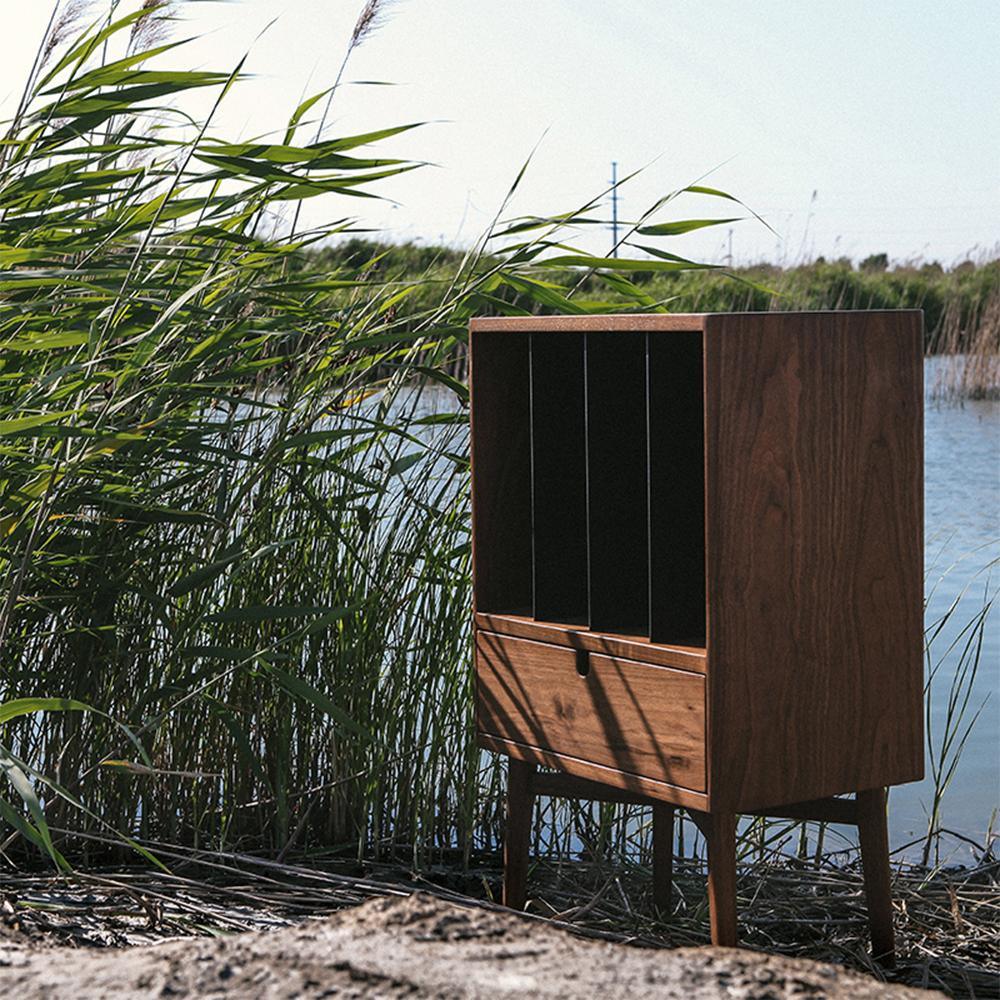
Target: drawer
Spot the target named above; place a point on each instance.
(621, 714)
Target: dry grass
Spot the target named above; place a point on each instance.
(947, 921)
(970, 368)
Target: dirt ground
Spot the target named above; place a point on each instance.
(420, 946)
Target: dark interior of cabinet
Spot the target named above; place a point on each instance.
(588, 480)
(616, 482)
(676, 489)
(559, 477)
(501, 472)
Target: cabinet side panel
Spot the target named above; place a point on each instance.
(814, 495)
(501, 471)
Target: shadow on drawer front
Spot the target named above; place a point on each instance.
(633, 717)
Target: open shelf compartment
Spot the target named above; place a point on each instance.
(617, 495)
(676, 478)
(501, 472)
(588, 480)
(559, 478)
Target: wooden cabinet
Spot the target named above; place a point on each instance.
(697, 551)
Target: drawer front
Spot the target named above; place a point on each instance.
(633, 717)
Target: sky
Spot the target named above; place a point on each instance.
(853, 128)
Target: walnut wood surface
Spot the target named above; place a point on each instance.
(663, 857)
(866, 810)
(579, 637)
(517, 835)
(658, 791)
(814, 518)
(635, 718)
(873, 837)
(576, 324)
(809, 444)
(567, 786)
(828, 810)
(719, 831)
(813, 536)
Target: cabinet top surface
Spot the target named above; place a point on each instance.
(647, 321)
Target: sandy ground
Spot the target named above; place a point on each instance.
(419, 946)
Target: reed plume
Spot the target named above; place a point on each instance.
(150, 28)
(65, 26)
(372, 17)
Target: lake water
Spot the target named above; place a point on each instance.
(962, 534)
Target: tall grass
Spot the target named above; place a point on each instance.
(181, 549)
(233, 513)
(970, 345)
(957, 303)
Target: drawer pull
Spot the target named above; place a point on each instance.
(613, 715)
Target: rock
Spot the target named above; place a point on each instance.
(419, 946)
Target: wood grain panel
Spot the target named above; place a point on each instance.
(632, 647)
(659, 791)
(814, 513)
(501, 472)
(635, 718)
(578, 324)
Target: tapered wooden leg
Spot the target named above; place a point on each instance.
(720, 833)
(517, 837)
(874, 839)
(663, 856)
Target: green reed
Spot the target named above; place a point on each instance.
(233, 491)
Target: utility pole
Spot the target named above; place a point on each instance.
(614, 208)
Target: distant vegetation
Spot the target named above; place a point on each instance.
(961, 304)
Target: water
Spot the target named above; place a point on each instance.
(962, 534)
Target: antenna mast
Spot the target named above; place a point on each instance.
(614, 208)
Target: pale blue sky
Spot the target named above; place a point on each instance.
(889, 110)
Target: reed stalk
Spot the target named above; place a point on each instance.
(233, 498)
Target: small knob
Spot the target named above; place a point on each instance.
(582, 662)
